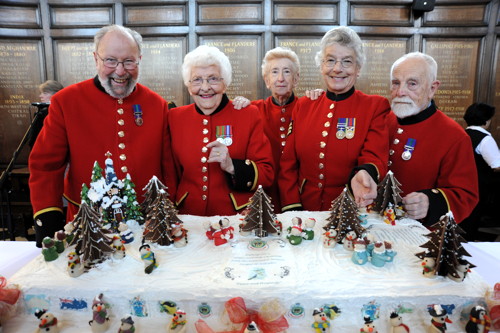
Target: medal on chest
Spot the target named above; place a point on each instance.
(351, 126)
(138, 115)
(224, 134)
(346, 128)
(408, 149)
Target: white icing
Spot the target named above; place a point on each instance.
(309, 274)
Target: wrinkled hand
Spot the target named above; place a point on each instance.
(240, 102)
(364, 188)
(219, 153)
(416, 205)
(314, 94)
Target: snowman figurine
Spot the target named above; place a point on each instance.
(439, 319)
(125, 233)
(330, 238)
(428, 267)
(100, 317)
(127, 325)
(180, 235)
(321, 323)
(463, 268)
(118, 246)
(75, 267)
(48, 322)
(369, 326)
(227, 229)
(148, 258)
(348, 241)
(397, 326)
(178, 322)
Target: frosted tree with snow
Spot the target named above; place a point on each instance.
(445, 246)
(133, 209)
(388, 192)
(92, 242)
(260, 217)
(97, 187)
(151, 191)
(344, 216)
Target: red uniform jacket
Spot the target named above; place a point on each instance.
(276, 122)
(316, 165)
(83, 124)
(441, 164)
(203, 188)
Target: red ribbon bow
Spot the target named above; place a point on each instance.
(8, 295)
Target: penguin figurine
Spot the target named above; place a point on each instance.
(479, 321)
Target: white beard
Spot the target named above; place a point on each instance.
(404, 107)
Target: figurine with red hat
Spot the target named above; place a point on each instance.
(295, 235)
(359, 255)
(178, 322)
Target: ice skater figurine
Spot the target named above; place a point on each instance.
(295, 235)
(127, 325)
(330, 238)
(118, 246)
(100, 317)
(321, 322)
(125, 233)
(308, 233)
(463, 268)
(439, 319)
(251, 328)
(397, 326)
(178, 322)
(428, 267)
(479, 321)
(48, 322)
(49, 250)
(369, 326)
(75, 267)
(359, 255)
(148, 258)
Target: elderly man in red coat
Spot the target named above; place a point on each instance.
(111, 112)
(430, 154)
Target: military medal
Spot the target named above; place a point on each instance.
(138, 115)
(224, 134)
(351, 126)
(409, 147)
(341, 127)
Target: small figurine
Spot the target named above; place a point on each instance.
(389, 214)
(363, 215)
(439, 319)
(227, 229)
(251, 328)
(100, 317)
(321, 322)
(370, 243)
(148, 258)
(217, 235)
(295, 235)
(379, 258)
(368, 327)
(242, 225)
(49, 250)
(59, 238)
(178, 322)
(389, 251)
(479, 321)
(75, 267)
(48, 322)
(463, 268)
(125, 233)
(308, 233)
(397, 325)
(68, 230)
(118, 246)
(348, 241)
(428, 267)
(330, 239)
(359, 255)
(180, 235)
(296, 221)
(127, 325)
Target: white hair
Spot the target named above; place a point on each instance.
(205, 55)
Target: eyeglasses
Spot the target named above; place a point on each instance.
(213, 81)
(345, 63)
(113, 63)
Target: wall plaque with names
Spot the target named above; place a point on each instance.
(74, 61)
(20, 76)
(243, 53)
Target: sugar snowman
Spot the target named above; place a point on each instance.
(127, 325)
(178, 322)
(117, 245)
(397, 326)
(125, 233)
(369, 326)
(100, 316)
(463, 268)
(330, 238)
(428, 267)
(348, 241)
(75, 267)
(48, 322)
(321, 323)
(438, 320)
(379, 258)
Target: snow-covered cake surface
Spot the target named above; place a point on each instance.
(201, 277)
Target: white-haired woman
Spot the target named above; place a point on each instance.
(338, 139)
(221, 154)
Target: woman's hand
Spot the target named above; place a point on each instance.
(219, 153)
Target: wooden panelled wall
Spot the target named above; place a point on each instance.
(52, 39)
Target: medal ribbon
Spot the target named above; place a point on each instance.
(351, 122)
(342, 124)
(410, 145)
(137, 113)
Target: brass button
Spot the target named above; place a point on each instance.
(249, 184)
(121, 134)
(204, 169)
(203, 159)
(321, 176)
(121, 122)
(205, 178)
(204, 187)
(205, 140)
(204, 149)
(120, 111)
(123, 157)
(330, 114)
(283, 119)
(322, 144)
(396, 141)
(283, 143)
(282, 128)
(120, 101)
(324, 133)
(247, 162)
(435, 191)
(203, 197)
(320, 185)
(321, 165)
(205, 121)
(121, 146)
(400, 130)
(389, 163)
(321, 155)
(124, 169)
(283, 135)
(205, 131)
(391, 151)
(327, 124)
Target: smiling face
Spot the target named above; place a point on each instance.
(118, 82)
(281, 79)
(206, 96)
(337, 78)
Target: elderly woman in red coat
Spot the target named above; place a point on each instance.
(338, 139)
(221, 154)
